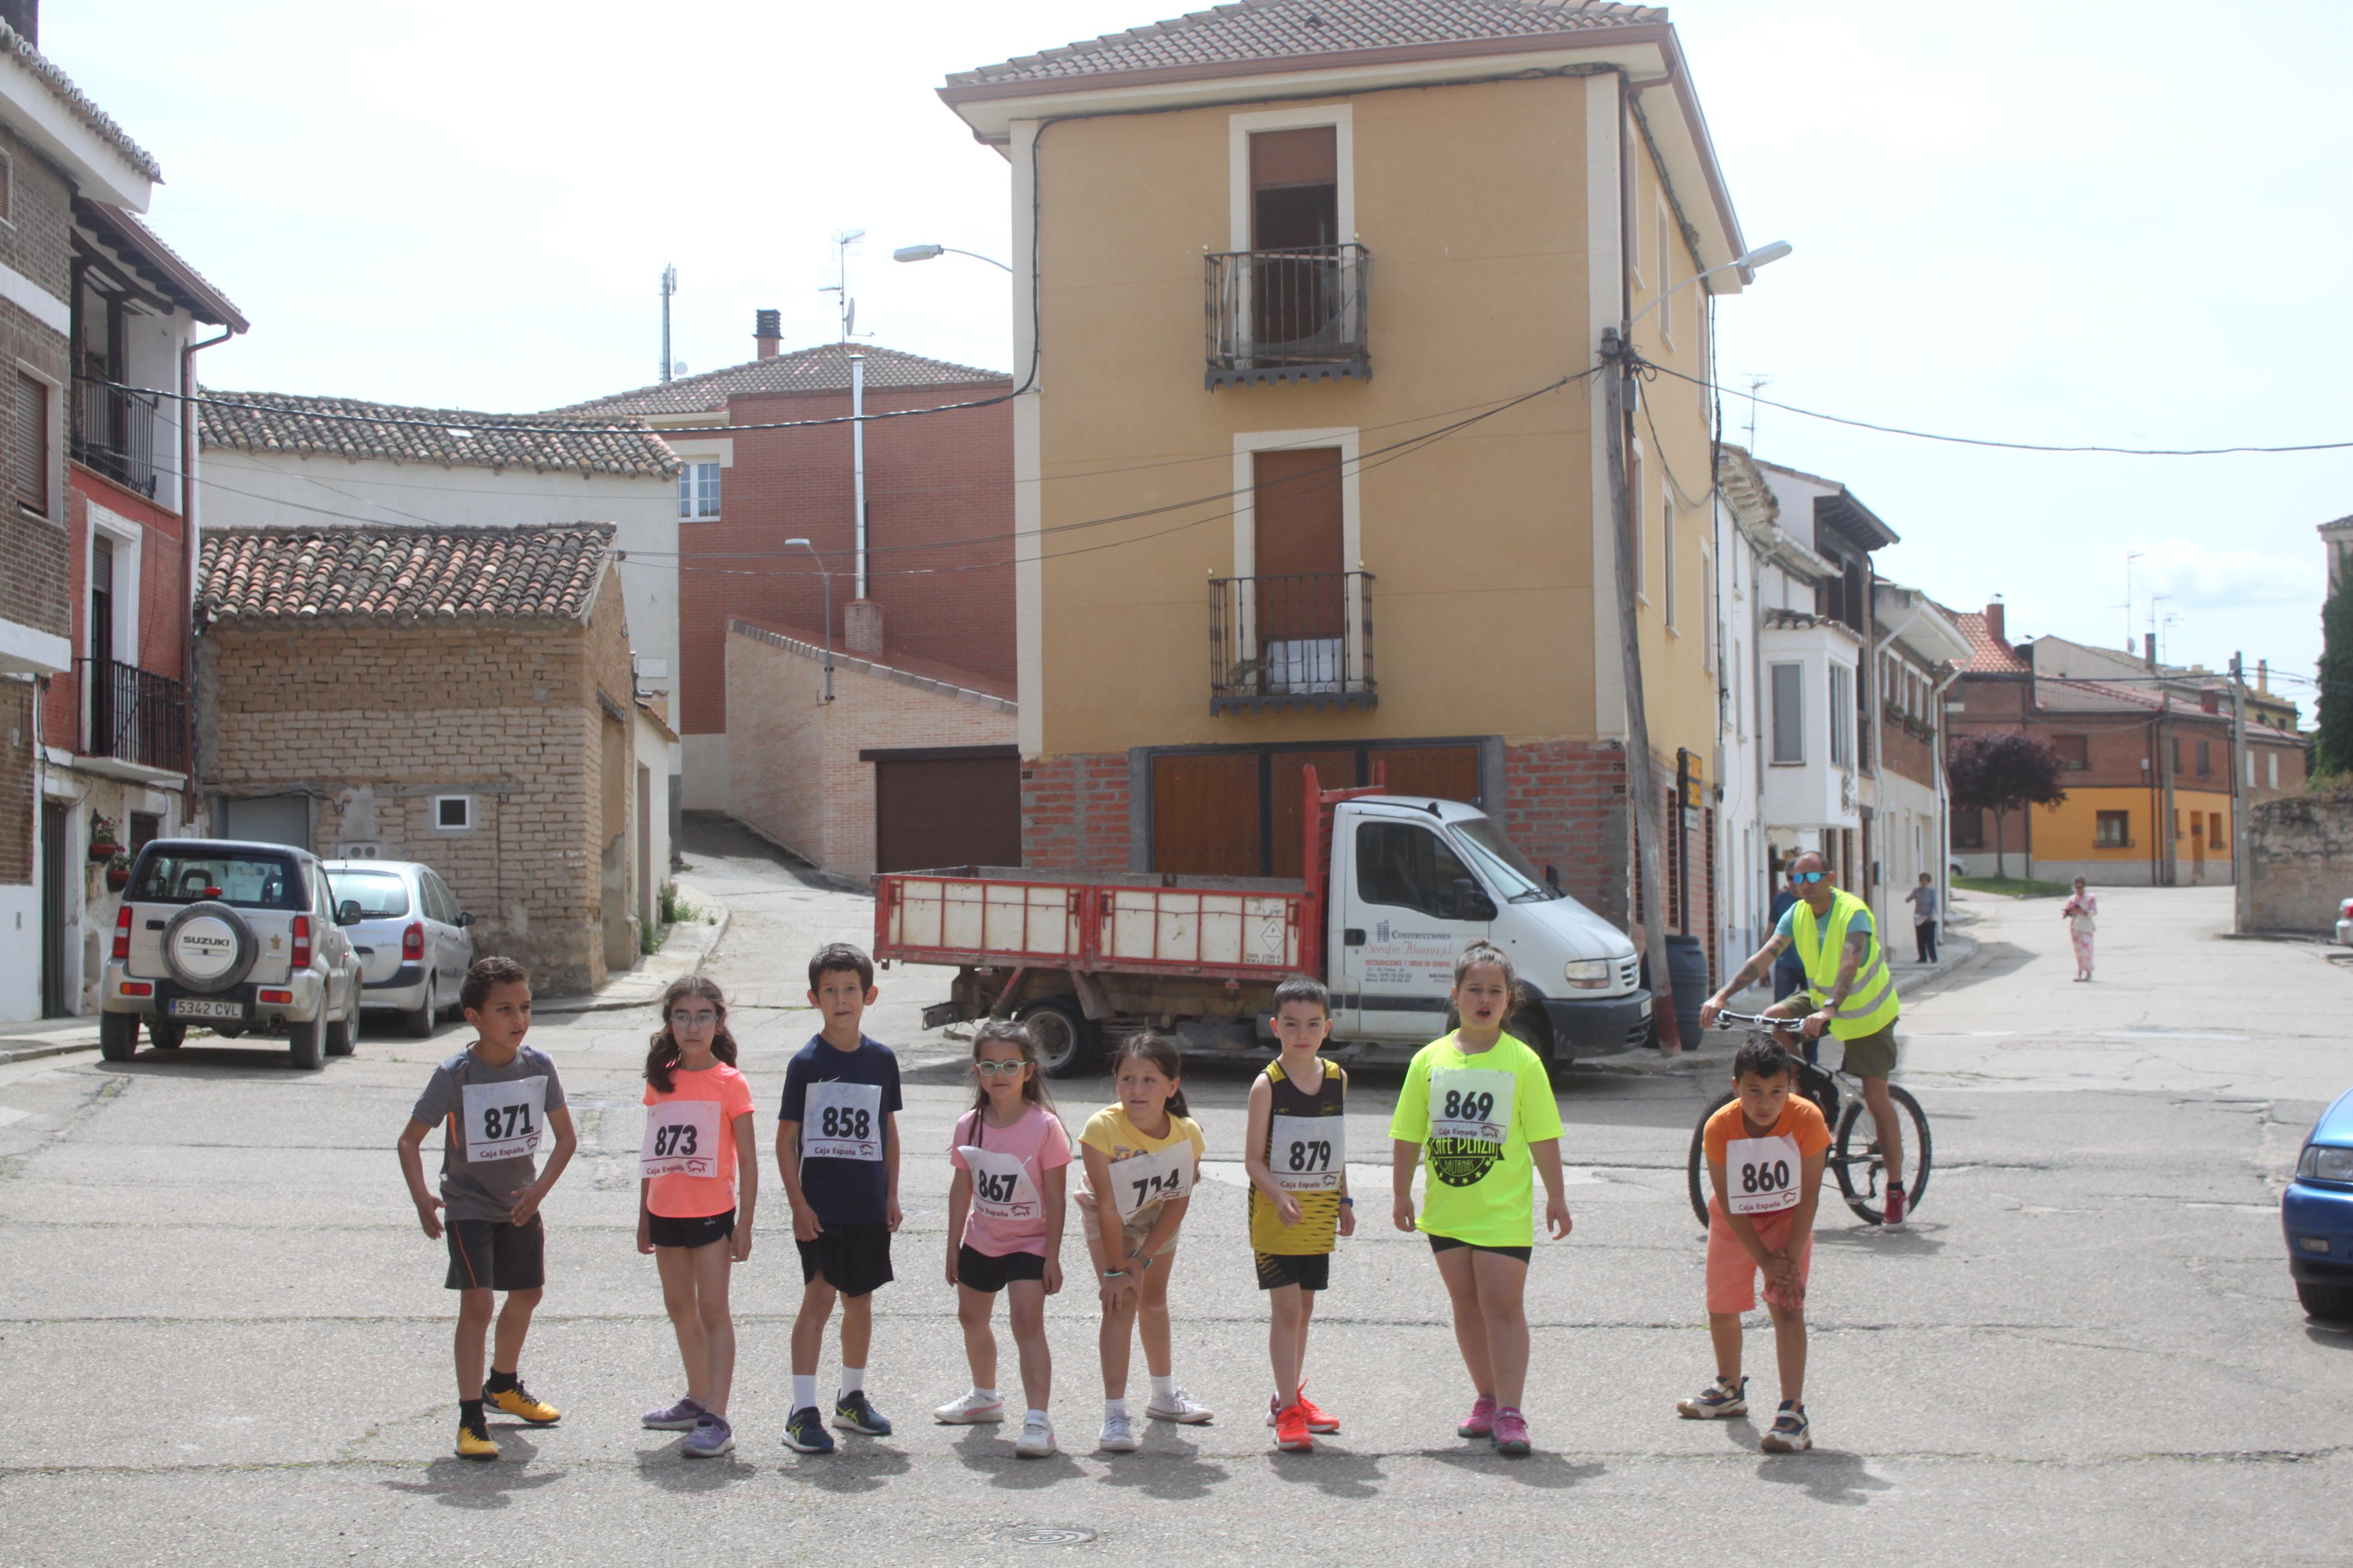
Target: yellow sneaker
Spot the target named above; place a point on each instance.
(473, 1444)
(517, 1402)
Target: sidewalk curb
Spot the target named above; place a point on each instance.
(640, 983)
(10, 1053)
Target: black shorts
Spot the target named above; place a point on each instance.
(854, 1258)
(1448, 1243)
(1308, 1270)
(669, 1231)
(989, 1275)
(496, 1253)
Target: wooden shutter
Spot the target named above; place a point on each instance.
(1445, 773)
(1287, 801)
(1308, 157)
(1204, 816)
(1301, 539)
(947, 811)
(32, 442)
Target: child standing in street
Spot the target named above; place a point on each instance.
(1143, 1157)
(1764, 1156)
(691, 1215)
(1004, 1225)
(1479, 1102)
(1295, 1151)
(491, 1100)
(838, 1149)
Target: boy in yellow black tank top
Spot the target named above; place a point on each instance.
(1296, 1154)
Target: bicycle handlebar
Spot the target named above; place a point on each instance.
(1727, 1020)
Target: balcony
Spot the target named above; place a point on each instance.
(1289, 315)
(1303, 641)
(114, 433)
(134, 715)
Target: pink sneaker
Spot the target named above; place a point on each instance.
(1481, 1422)
(1511, 1432)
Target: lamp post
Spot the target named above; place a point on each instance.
(827, 578)
(926, 252)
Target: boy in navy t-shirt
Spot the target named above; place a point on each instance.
(838, 1150)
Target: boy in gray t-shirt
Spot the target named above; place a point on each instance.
(493, 1101)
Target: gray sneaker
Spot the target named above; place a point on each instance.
(678, 1417)
(712, 1437)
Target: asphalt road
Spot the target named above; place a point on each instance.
(224, 1342)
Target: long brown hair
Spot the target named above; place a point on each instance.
(664, 1054)
(1006, 1032)
(1162, 1053)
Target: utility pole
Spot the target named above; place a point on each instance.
(2243, 890)
(1650, 829)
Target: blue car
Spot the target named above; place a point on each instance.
(2316, 1213)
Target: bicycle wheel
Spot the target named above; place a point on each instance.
(1859, 1171)
(1695, 1172)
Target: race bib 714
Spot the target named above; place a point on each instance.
(1141, 1181)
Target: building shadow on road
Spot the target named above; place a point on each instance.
(989, 1454)
(1176, 1473)
(1828, 1474)
(1552, 1472)
(471, 1484)
(1330, 1469)
(673, 1471)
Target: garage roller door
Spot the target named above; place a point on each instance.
(949, 807)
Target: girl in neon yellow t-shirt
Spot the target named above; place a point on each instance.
(1481, 1105)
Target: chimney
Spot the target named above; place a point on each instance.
(767, 327)
(861, 628)
(1994, 626)
(2263, 676)
(2149, 643)
(24, 15)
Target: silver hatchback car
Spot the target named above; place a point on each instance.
(410, 937)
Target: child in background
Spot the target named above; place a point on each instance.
(1764, 1156)
(1143, 1157)
(690, 1218)
(837, 1148)
(1481, 1102)
(1295, 1151)
(1004, 1225)
(493, 1099)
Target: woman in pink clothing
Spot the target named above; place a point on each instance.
(2081, 912)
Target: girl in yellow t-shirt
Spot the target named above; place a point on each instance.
(1142, 1156)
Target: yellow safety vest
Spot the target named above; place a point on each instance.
(1870, 1006)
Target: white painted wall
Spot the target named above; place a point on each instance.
(1815, 793)
(1742, 896)
(20, 934)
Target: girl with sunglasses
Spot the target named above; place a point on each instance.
(1012, 1156)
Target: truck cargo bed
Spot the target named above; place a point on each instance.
(1240, 928)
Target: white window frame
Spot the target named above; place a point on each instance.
(1239, 129)
(1666, 274)
(690, 484)
(1247, 443)
(126, 536)
(1641, 533)
(1667, 557)
(1710, 621)
(1841, 707)
(464, 800)
(1772, 717)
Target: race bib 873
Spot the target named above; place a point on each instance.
(1761, 1175)
(681, 1139)
(502, 1121)
(843, 1121)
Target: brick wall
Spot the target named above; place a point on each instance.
(794, 773)
(1075, 814)
(37, 241)
(2297, 850)
(16, 784)
(1901, 751)
(942, 483)
(1565, 804)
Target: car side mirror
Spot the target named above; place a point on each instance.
(1471, 901)
(348, 912)
(465, 918)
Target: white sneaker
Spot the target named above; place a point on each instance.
(1038, 1438)
(1179, 1407)
(1118, 1436)
(970, 1410)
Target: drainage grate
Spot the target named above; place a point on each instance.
(1041, 1535)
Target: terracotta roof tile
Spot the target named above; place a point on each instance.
(272, 422)
(824, 368)
(1256, 30)
(258, 574)
(1988, 654)
(60, 87)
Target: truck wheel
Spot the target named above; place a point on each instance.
(166, 1034)
(1532, 1026)
(1067, 1040)
(2328, 1303)
(117, 1036)
(302, 1041)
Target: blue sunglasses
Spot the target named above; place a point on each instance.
(1803, 877)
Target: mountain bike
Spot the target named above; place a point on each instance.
(1854, 1158)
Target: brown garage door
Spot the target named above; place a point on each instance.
(951, 806)
(1239, 813)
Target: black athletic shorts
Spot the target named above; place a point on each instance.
(496, 1253)
(989, 1275)
(1308, 1270)
(1448, 1243)
(854, 1258)
(670, 1231)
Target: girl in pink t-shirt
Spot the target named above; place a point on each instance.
(691, 1215)
(1005, 1225)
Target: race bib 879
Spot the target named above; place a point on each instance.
(1307, 1153)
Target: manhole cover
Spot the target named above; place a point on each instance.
(1041, 1535)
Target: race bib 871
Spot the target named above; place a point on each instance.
(502, 1121)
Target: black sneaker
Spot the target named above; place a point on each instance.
(851, 1413)
(804, 1432)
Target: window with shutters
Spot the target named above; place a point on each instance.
(30, 448)
(1841, 716)
(2075, 751)
(2112, 830)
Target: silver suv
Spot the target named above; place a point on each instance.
(411, 937)
(235, 936)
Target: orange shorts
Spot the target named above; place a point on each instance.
(1732, 1273)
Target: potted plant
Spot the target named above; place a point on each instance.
(118, 871)
(105, 838)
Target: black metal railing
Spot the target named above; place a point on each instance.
(1289, 315)
(134, 715)
(114, 433)
(1302, 641)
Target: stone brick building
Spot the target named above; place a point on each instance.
(457, 696)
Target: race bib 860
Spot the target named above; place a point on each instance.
(1761, 1175)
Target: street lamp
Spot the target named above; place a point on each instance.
(925, 253)
(827, 578)
(1763, 255)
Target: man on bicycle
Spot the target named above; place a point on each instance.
(1851, 990)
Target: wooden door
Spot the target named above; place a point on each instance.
(1205, 814)
(1287, 802)
(946, 811)
(1448, 773)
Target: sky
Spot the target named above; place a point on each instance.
(2074, 221)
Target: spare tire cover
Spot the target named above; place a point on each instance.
(208, 947)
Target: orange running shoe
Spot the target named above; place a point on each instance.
(1291, 1434)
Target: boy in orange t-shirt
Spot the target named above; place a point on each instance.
(1765, 1155)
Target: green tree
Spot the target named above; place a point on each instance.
(2002, 771)
(2334, 747)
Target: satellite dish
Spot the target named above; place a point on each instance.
(678, 367)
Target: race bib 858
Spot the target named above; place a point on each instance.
(843, 1121)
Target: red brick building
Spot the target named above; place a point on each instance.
(939, 519)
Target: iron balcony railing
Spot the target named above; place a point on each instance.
(1289, 315)
(1301, 641)
(114, 433)
(134, 715)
